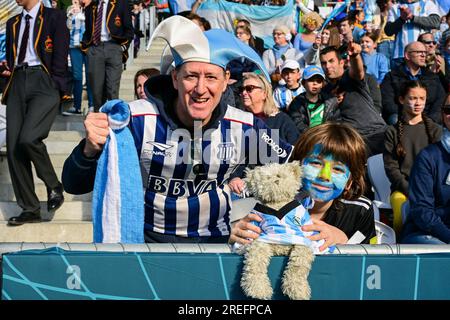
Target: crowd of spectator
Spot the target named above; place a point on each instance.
(384, 74)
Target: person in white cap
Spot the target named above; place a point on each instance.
(188, 139)
(286, 92)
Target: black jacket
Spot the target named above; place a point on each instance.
(118, 23)
(301, 116)
(392, 84)
(51, 45)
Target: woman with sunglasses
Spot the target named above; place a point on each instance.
(428, 220)
(257, 98)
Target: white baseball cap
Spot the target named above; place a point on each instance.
(290, 64)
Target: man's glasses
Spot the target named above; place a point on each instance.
(429, 42)
(249, 88)
(418, 52)
(446, 109)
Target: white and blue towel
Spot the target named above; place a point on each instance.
(118, 198)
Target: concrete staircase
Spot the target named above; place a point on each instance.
(71, 222)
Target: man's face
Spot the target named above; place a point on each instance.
(430, 43)
(200, 86)
(291, 76)
(345, 28)
(331, 65)
(416, 54)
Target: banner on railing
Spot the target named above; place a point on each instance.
(58, 274)
(223, 14)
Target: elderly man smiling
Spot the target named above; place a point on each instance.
(187, 139)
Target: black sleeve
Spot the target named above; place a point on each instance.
(78, 174)
(366, 224)
(127, 23)
(375, 92)
(388, 97)
(290, 131)
(392, 162)
(393, 28)
(297, 116)
(60, 51)
(434, 111)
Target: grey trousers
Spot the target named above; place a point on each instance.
(31, 108)
(104, 72)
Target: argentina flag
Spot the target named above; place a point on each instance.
(443, 6)
(223, 14)
(178, 6)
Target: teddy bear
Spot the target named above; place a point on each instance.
(282, 207)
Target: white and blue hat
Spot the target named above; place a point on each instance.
(187, 42)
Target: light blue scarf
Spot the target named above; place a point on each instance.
(118, 198)
(445, 139)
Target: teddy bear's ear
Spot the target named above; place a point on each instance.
(296, 168)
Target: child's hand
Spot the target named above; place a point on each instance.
(330, 234)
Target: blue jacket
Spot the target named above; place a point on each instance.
(429, 193)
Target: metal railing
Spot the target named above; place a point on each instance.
(360, 249)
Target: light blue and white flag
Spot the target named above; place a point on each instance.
(338, 9)
(443, 6)
(118, 197)
(178, 6)
(223, 14)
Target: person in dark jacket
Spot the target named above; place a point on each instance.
(36, 64)
(413, 68)
(310, 108)
(108, 34)
(428, 221)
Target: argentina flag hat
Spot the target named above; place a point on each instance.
(187, 42)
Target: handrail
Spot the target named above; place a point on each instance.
(360, 249)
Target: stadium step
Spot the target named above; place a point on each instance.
(71, 222)
(54, 231)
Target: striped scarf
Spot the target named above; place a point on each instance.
(118, 198)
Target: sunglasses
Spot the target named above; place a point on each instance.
(429, 42)
(249, 88)
(446, 109)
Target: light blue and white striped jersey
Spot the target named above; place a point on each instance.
(77, 28)
(284, 96)
(409, 32)
(283, 226)
(185, 173)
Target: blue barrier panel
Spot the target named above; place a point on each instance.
(58, 274)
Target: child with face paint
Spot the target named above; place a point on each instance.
(376, 63)
(333, 158)
(404, 140)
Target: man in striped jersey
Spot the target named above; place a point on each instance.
(407, 20)
(188, 140)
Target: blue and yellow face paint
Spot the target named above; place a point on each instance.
(324, 177)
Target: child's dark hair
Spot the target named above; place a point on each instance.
(400, 150)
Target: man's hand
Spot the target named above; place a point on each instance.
(4, 69)
(244, 229)
(237, 185)
(97, 130)
(405, 13)
(353, 49)
(318, 40)
(330, 234)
